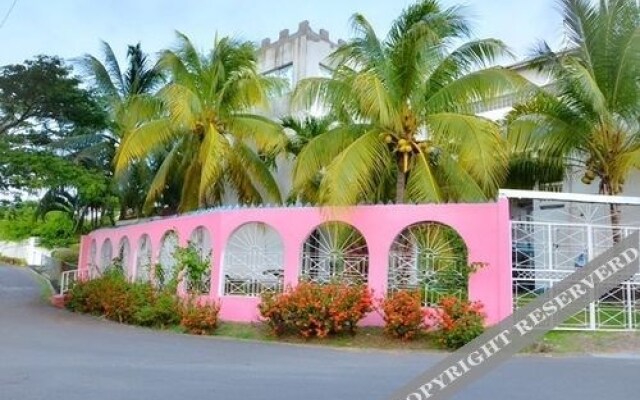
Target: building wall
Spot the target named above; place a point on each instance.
(483, 227)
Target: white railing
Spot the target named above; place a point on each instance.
(67, 279)
(544, 253)
(324, 269)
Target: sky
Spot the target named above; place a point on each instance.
(71, 28)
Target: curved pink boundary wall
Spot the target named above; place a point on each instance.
(484, 227)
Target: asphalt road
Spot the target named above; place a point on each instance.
(47, 353)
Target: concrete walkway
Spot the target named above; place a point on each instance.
(47, 353)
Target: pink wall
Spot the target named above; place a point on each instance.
(483, 226)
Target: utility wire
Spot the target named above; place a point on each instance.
(6, 16)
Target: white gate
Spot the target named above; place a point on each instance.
(561, 232)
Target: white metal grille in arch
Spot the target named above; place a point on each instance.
(106, 255)
(143, 259)
(253, 261)
(429, 258)
(123, 256)
(335, 252)
(167, 258)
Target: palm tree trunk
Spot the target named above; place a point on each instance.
(614, 211)
(401, 183)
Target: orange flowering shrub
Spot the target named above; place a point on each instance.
(312, 310)
(110, 296)
(199, 318)
(459, 321)
(403, 315)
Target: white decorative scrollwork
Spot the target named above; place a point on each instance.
(106, 254)
(429, 258)
(253, 261)
(143, 259)
(124, 255)
(335, 252)
(166, 258)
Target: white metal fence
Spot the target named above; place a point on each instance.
(560, 234)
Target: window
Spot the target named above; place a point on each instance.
(283, 72)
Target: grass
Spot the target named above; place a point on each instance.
(366, 337)
(566, 342)
(611, 316)
(554, 342)
(16, 262)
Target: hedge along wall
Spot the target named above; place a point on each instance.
(271, 245)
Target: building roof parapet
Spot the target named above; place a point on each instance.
(304, 29)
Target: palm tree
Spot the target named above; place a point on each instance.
(128, 101)
(208, 125)
(300, 131)
(411, 100)
(304, 130)
(592, 122)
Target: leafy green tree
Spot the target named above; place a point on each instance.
(410, 99)
(209, 126)
(42, 105)
(40, 99)
(592, 122)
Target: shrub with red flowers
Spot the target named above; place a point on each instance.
(110, 296)
(312, 310)
(199, 317)
(403, 315)
(459, 321)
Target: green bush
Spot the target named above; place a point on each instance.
(195, 268)
(20, 222)
(56, 230)
(67, 255)
(163, 310)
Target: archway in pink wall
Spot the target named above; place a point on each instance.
(93, 258)
(123, 255)
(335, 252)
(167, 257)
(430, 258)
(143, 259)
(253, 261)
(106, 255)
(200, 241)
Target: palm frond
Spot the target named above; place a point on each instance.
(477, 144)
(355, 171)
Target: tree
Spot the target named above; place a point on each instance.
(41, 103)
(208, 126)
(41, 98)
(304, 130)
(592, 122)
(129, 102)
(410, 99)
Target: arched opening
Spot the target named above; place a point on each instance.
(253, 261)
(123, 258)
(167, 258)
(106, 255)
(335, 252)
(143, 259)
(93, 258)
(198, 280)
(430, 258)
